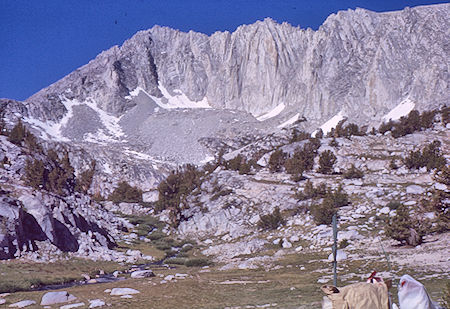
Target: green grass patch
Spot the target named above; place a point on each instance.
(23, 276)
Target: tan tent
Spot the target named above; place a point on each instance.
(357, 296)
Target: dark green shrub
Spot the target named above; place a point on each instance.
(322, 213)
(445, 111)
(427, 119)
(175, 261)
(18, 133)
(298, 136)
(443, 175)
(197, 262)
(338, 197)
(438, 203)
(414, 160)
(126, 193)
(414, 121)
(234, 163)
(386, 126)
(430, 157)
(31, 143)
(353, 173)
(54, 174)
(319, 133)
(326, 162)
(36, 175)
(346, 131)
(296, 165)
(302, 159)
(239, 163)
(393, 165)
(311, 192)
(61, 177)
(174, 190)
(393, 205)
(334, 143)
(313, 145)
(445, 302)
(343, 243)
(277, 160)
(245, 167)
(271, 221)
(404, 228)
(407, 125)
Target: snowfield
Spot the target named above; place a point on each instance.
(331, 124)
(289, 121)
(273, 113)
(401, 110)
(168, 101)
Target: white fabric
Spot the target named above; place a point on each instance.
(412, 294)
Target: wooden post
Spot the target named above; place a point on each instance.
(334, 222)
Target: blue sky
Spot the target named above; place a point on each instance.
(42, 41)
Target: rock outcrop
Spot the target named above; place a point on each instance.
(31, 219)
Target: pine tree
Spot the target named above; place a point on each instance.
(327, 160)
(17, 134)
(36, 176)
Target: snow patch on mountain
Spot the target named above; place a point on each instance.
(207, 159)
(110, 122)
(331, 124)
(52, 130)
(289, 121)
(401, 110)
(273, 113)
(169, 101)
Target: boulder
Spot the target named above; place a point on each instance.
(123, 291)
(340, 256)
(51, 298)
(151, 196)
(385, 210)
(142, 274)
(414, 189)
(96, 303)
(286, 244)
(22, 304)
(72, 306)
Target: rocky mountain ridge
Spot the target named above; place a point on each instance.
(356, 59)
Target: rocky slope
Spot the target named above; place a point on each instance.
(41, 225)
(225, 213)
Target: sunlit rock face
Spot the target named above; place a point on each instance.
(358, 61)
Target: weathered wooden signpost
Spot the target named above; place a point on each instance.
(334, 223)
